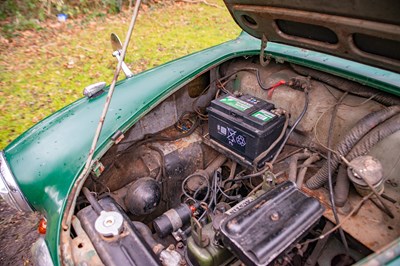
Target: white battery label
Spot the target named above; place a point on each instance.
(263, 115)
(236, 103)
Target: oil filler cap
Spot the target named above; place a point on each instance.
(109, 223)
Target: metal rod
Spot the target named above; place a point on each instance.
(69, 210)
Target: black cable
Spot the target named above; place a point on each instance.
(208, 186)
(273, 145)
(299, 118)
(306, 102)
(217, 175)
(245, 177)
(258, 76)
(330, 183)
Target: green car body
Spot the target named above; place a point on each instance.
(47, 159)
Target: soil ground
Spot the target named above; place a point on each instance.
(18, 231)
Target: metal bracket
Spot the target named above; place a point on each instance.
(197, 233)
(264, 42)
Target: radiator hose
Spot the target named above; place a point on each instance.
(363, 147)
(362, 127)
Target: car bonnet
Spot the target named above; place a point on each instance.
(363, 31)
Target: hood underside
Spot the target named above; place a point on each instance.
(363, 31)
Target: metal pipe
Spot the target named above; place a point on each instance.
(300, 178)
(93, 202)
(293, 164)
(145, 232)
(69, 210)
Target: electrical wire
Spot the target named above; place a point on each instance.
(217, 176)
(273, 145)
(339, 225)
(330, 183)
(299, 118)
(193, 198)
(246, 177)
(269, 165)
(258, 76)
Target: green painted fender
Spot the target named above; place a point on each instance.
(47, 158)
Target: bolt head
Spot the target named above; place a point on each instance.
(275, 216)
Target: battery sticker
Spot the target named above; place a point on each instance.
(263, 115)
(231, 136)
(221, 130)
(235, 139)
(236, 103)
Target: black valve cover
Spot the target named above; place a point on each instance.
(261, 230)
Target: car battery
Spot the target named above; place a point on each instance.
(245, 125)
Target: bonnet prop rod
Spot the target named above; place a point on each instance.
(69, 209)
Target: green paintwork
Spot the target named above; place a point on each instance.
(47, 158)
(211, 255)
(390, 256)
(236, 103)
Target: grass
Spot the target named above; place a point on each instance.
(42, 71)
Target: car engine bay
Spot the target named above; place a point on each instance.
(241, 166)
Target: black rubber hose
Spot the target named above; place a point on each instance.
(372, 138)
(347, 85)
(145, 232)
(342, 186)
(363, 147)
(362, 127)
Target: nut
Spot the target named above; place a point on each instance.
(275, 216)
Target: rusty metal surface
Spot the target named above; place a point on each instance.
(83, 251)
(170, 110)
(180, 159)
(370, 225)
(122, 170)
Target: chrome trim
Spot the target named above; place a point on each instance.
(40, 253)
(92, 89)
(14, 192)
